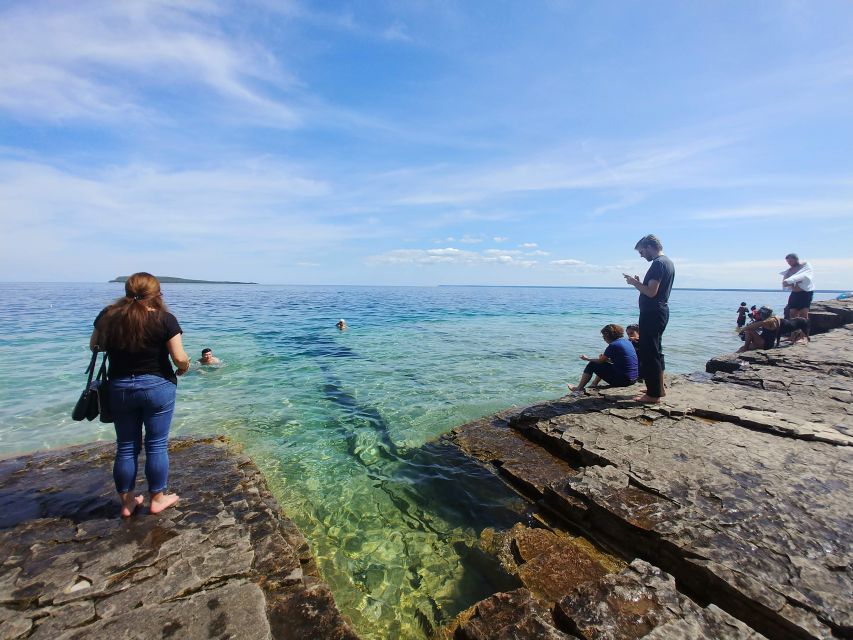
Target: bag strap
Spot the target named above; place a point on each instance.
(102, 372)
(91, 368)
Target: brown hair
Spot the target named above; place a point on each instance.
(612, 331)
(650, 240)
(127, 322)
(632, 328)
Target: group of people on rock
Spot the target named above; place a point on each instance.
(143, 342)
(765, 330)
(639, 356)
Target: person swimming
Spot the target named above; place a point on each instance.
(341, 324)
(207, 357)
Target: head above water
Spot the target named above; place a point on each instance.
(205, 351)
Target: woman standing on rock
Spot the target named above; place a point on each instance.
(140, 335)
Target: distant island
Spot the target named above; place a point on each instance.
(171, 280)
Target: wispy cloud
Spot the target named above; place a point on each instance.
(647, 164)
(785, 209)
(451, 255)
(90, 60)
(259, 202)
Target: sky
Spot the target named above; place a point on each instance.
(416, 142)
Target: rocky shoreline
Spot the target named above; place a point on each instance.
(729, 506)
(226, 563)
(725, 512)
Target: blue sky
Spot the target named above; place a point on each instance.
(414, 142)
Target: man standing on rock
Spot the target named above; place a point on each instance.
(654, 314)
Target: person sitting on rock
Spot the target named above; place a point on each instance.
(761, 334)
(617, 366)
(632, 332)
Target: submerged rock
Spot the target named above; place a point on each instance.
(223, 563)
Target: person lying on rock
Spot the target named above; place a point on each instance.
(617, 366)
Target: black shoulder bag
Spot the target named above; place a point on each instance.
(95, 398)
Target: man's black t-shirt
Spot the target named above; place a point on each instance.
(663, 271)
(153, 358)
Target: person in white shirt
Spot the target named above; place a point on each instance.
(799, 280)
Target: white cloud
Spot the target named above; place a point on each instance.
(782, 209)
(528, 245)
(453, 256)
(265, 206)
(568, 263)
(500, 239)
(92, 60)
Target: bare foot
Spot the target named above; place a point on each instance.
(129, 503)
(576, 391)
(161, 501)
(646, 399)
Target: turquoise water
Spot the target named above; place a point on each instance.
(343, 423)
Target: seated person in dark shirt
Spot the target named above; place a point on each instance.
(632, 332)
(617, 366)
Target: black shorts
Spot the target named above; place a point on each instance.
(800, 299)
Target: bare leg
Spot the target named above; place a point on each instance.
(800, 336)
(129, 502)
(578, 390)
(753, 341)
(596, 381)
(161, 501)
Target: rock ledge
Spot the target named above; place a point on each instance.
(225, 563)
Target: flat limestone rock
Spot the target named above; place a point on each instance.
(508, 616)
(739, 485)
(224, 562)
(549, 564)
(642, 602)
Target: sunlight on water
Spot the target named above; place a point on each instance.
(343, 424)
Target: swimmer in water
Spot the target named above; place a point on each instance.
(207, 357)
(341, 324)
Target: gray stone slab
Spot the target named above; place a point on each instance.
(741, 486)
(219, 564)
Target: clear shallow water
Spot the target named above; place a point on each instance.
(342, 423)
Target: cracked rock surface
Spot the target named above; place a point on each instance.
(223, 563)
(738, 489)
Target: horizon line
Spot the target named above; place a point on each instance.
(426, 286)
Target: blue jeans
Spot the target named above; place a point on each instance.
(136, 400)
